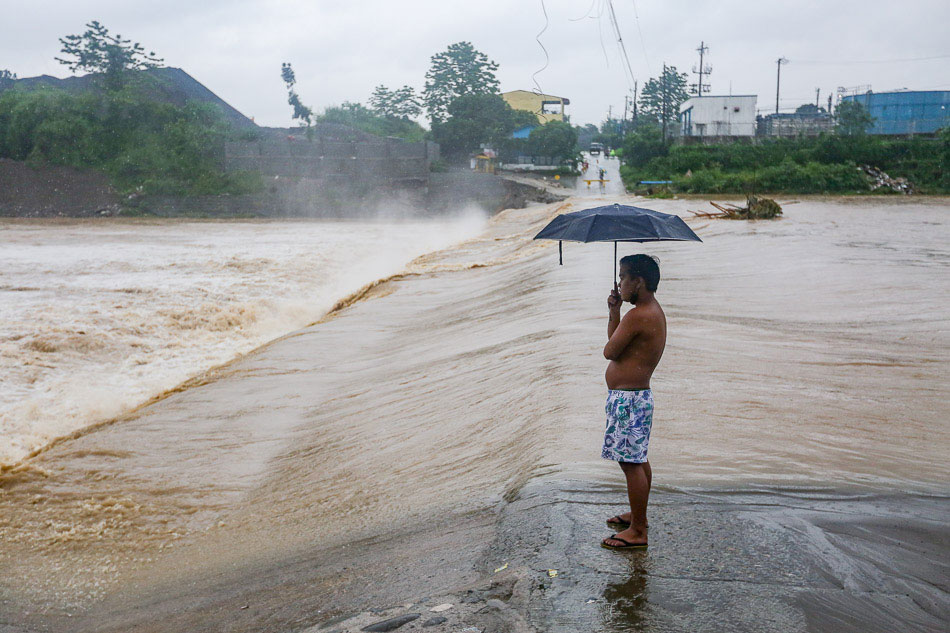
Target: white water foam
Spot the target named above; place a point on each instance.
(96, 317)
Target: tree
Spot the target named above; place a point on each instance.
(478, 118)
(460, 70)
(301, 112)
(645, 143)
(610, 134)
(662, 96)
(809, 108)
(6, 79)
(358, 116)
(554, 139)
(97, 51)
(585, 135)
(852, 118)
(399, 104)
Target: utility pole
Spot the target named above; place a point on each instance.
(665, 93)
(703, 70)
(634, 102)
(623, 124)
(778, 79)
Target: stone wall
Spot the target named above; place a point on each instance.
(53, 190)
(376, 160)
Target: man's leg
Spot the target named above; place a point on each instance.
(649, 473)
(638, 478)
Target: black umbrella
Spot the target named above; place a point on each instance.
(616, 223)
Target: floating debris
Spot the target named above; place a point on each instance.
(880, 179)
(552, 573)
(502, 568)
(756, 209)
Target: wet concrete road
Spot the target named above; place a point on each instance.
(810, 560)
(720, 560)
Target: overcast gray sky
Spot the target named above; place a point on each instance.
(341, 50)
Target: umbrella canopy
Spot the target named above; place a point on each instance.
(616, 223)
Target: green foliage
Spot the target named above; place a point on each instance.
(398, 104)
(585, 135)
(827, 163)
(554, 139)
(809, 108)
(98, 51)
(358, 116)
(611, 133)
(852, 119)
(139, 142)
(662, 96)
(786, 177)
(6, 79)
(302, 113)
(644, 144)
(460, 70)
(474, 119)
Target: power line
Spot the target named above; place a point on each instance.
(623, 48)
(643, 45)
(869, 61)
(586, 15)
(547, 58)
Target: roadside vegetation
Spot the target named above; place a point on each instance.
(144, 145)
(830, 163)
(826, 164)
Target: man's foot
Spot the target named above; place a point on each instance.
(620, 522)
(623, 542)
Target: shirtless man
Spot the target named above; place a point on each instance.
(634, 347)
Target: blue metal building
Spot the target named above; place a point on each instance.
(906, 112)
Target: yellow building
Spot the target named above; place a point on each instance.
(547, 107)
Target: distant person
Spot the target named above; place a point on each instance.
(634, 347)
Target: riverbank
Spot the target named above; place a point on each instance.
(397, 453)
(56, 191)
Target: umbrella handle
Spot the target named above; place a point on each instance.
(560, 253)
(615, 262)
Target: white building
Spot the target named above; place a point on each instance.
(732, 115)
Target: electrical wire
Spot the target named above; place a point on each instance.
(623, 49)
(869, 61)
(643, 44)
(586, 15)
(600, 32)
(547, 58)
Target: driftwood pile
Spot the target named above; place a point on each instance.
(756, 208)
(880, 179)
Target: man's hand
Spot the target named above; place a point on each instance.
(614, 300)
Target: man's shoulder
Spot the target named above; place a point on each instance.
(647, 312)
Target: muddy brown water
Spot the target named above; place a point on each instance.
(806, 352)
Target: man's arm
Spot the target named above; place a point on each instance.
(613, 307)
(623, 333)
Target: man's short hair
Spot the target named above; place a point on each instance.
(645, 266)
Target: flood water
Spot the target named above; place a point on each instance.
(808, 352)
(98, 316)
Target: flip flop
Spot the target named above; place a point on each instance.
(626, 544)
(617, 522)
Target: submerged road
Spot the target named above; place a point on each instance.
(444, 424)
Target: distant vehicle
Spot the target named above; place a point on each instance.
(595, 149)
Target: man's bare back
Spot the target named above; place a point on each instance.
(636, 342)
